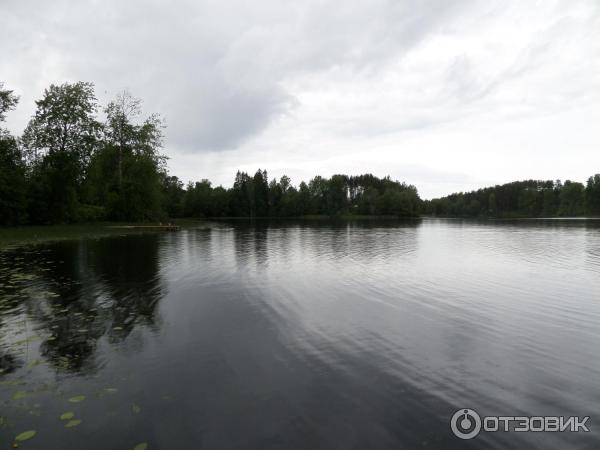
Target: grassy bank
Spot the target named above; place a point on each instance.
(16, 236)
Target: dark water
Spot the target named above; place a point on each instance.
(302, 336)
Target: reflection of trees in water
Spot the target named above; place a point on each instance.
(592, 245)
(128, 270)
(8, 362)
(262, 242)
(250, 243)
(78, 292)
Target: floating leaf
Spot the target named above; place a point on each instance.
(111, 390)
(23, 277)
(11, 382)
(25, 435)
(136, 409)
(19, 395)
(142, 446)
(34, 363)
(72, 423)
(67, 416)
(77, 399)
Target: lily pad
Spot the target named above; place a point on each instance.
(34, 363)
(72, 423)
(142, 446)
(67, 416)
(11, 382)
(25, 435)
(77, 399)
(19, 395)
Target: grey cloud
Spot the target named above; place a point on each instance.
(216, 70)
(458, 88)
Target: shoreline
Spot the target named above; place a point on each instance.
(11, 237)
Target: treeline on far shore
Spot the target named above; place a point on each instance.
(70, 166)
(531, 198)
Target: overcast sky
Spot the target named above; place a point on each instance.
(446, 95)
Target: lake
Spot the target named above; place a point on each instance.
(312, 335)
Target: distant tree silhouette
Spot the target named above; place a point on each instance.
(12, 168)
(531, 198)
(69, 166)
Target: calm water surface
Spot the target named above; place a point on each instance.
(301, 336)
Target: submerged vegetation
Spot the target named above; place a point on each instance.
(48, 326)
(71, 166)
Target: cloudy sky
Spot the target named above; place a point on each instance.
(446, 95)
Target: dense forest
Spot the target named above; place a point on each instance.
(71, 166)
(532, 198)
(255, 196)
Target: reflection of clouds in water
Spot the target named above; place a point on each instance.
(447, 300)
(315, 335)
(593, 248)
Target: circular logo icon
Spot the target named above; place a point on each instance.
(465, 423)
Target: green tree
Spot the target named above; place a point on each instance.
(492, 206)
(12, 169)
(59, 141)
(198, 201)
(275, 198)
(303, 199)
(337, 195)
(64, 122)
(242, 196)
(571, 199)
(592, 196)
(318, 191)
(8, 101)
(550, 202)
(127, 175)
(528, 202)
(261, 193)
(120, 130)
(173, 196)
(367, 201)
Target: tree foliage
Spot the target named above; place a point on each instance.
(127, 170)
(256, 196)
(8, 101)
(75, 167)
(59, 141)
(12, 169)
(531, 198)
(69, 165)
